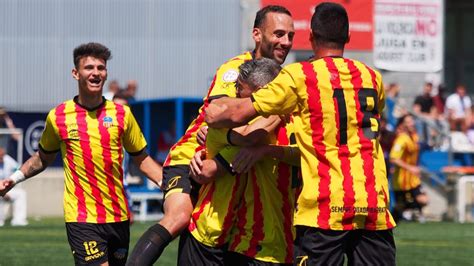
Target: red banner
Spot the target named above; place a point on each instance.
(360, 16)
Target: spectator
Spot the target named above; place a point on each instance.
(7, 122)
(131, 90)
(424, 102)
(423, 107)
(439, 99)
(114, 88)
(391, 101)
(458, 109)
(470, 130)
(406, 176)
(16, 195)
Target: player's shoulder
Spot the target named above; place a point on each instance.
(402, 137)
(369, 68)
(236, 61)
(113, 105)
(61, 106)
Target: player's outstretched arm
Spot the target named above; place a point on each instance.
(230, 112)
(33, 166)
(149, 167)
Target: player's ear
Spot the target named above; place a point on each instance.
(75, 74)
(257, 35)
(348, 38)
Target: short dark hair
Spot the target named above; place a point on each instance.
(258, 72)
(262, 13)
(401, 120)
(91, 49)
(330, 25)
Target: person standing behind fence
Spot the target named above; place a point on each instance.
(90, 132)
(458, 109)
(17, 196)
(7, 123)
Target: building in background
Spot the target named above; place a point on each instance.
(171, 47)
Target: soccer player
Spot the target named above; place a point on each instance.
(257, 206)
(90, 132)
(273, 34)
(337, 101)
(406, 177)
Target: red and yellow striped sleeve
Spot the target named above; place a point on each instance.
(133, 140)
(223, 84)
(50, 141)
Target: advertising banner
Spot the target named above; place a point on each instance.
(408, 35)
(360, 14)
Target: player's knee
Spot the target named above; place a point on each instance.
(422, 200)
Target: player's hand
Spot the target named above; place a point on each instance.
(246, 158)
(5, 186)
(201, 135)
(415, 170)
(196, 164)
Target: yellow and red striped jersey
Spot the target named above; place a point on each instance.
(215, 210)
(264, 226)
(91, 144)
(405, 148)
(336, 103)
(223, 84)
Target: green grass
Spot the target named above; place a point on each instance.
(44, 242)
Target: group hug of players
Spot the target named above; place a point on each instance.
(281, 165)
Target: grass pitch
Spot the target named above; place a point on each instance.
(44, 242)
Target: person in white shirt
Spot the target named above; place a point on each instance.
(17, 196)
(458, 109)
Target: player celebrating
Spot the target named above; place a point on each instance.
(248, 214)
(273, 34)
(90, 132)
(343, 206)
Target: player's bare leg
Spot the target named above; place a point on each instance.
(178, 208)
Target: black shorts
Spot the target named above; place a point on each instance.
(314, 246)
(237, 259)
(408, 198)
(193, 252)
(94, 244)
(176, 179)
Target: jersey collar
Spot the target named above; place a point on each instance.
(76, 101)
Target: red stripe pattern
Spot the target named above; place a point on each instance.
(317, 127)
(78, 190)
(89, 164)
(257, 228)
(108, 166)
(284, 184)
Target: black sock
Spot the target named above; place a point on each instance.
(150, 246)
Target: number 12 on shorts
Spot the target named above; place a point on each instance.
(91, 247)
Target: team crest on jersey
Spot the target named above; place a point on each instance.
(107, 122)
(230, 75)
